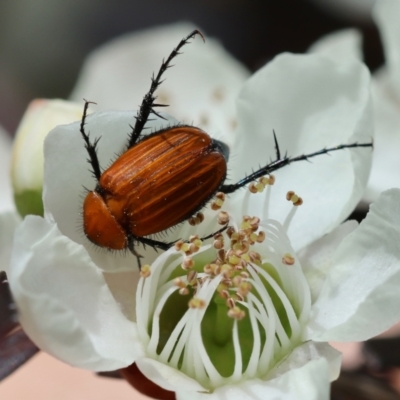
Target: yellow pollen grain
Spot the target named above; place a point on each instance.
(244, 288)
(253, 237)
(185, 247)
(188, 263)
(178, 282)
(195, 302)
(215, 206)
(246, 257)
(193, 248)
(236, 313)
(233, 259)
(145, 271)
(237, 280)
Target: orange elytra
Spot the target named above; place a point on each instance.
(162, 179)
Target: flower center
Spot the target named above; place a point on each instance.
(226, 312)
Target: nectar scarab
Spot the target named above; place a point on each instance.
(163, 178)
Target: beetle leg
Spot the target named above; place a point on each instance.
(224, 228)
(281, 162)
(155, 244)
(131, 247)
(148, 104)
(89, 146)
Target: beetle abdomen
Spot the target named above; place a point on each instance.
(163, 180)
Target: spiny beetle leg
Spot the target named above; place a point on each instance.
(156, 244)
(282, 162)
(148, 104)
(131, 247)
(89, 146)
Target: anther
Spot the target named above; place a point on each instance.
(236, 313)
(239, 296)
(218, 244)
(223, 218)
(233, 259)
(191, 276)
(255, 257)
(195, 302)
(288, 259)
(193, 248)
(218, 202)
(230, 231)
(183, 291)
(226, 270)
(185, 247)
(178, 245)
(188, 263)
(230, 302)
(221, 255)
(179, 283)
(260, 237)
(145, 271)
(237, 280)
(294, 198)
(224, 294)
(197, 219)
(244, 288)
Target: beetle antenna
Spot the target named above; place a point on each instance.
(282, 162)
(89, 146)
(148, 104)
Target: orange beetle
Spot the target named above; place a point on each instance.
(161, 179)
(134, 195)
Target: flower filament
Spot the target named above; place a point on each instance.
(229, 312)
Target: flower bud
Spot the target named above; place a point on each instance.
(27, 161)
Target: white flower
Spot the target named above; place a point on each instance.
(5, 155)
(24, 179)
(385, 93)
(200, 89)
(27, 154)
(93, 320)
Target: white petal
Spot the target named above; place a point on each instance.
(67, 173)
(64, 303)
(339, 45)
(200, 89)
(386, 160)
(6, 198)
(39, 119)
(167, 377)
(360, 298)
(317, 258)
(386, 15)
(8, 223)
(304, 375)
(311, 102)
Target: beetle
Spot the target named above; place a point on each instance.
(163, 178)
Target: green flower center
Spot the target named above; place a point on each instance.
(236, 315)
